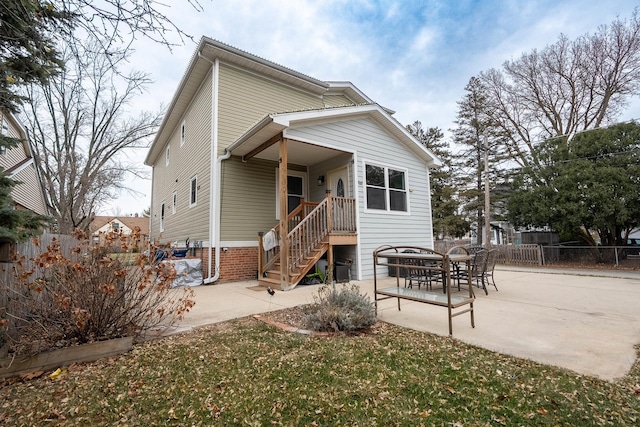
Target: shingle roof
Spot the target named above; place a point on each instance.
(129, 221)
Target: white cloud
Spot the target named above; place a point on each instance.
(413, 57)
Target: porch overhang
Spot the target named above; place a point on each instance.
(260, 140)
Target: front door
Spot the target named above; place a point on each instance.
(339, 182)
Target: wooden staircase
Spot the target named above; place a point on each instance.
(273, 277)
(314, 228)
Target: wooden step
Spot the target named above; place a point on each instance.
(267, 282)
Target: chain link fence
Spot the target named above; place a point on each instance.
(570, 256)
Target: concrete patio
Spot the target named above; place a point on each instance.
(586, 321)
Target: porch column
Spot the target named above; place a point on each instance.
(284, 213)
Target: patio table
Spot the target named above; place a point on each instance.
(426, 260)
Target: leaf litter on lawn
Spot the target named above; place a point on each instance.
(247, 372)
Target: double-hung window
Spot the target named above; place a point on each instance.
(5, 132)
(193, 191)
(162, 217)
(386, 188)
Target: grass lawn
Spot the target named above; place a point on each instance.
(245, 372)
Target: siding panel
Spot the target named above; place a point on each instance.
(190, 159)
(245, 98)
(336, 101)
(248, 198)
(28, 192)
(373, 144)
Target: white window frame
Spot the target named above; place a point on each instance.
(167, 155)
(162, 215)
(193, 181)
(5, 131)
(174, 202)
(182, 133)
(387, 189)
(305, 185)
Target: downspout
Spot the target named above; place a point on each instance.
(214, 180)
(217, 208)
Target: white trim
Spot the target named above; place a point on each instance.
(4, 130)
(386, 166)
(433, 242)
(21, 167)
(305, 186)
(163, 215)
(356, 194)
(192, 202)
(174, 202)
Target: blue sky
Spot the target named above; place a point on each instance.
(414, 57)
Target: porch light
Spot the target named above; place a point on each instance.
(320, 180)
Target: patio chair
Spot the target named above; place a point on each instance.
(416, 273)
(473, 249)
(478, 267)
(492, 258)
(458, 274)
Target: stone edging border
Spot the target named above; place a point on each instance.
(290, 328)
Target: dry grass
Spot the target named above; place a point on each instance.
(246, 372)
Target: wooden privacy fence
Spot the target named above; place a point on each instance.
(30, 250)
(520, 254)
(507, 254)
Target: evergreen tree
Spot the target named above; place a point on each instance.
(28, 52)
(30, 32)
(447, 222)
(584, 184)
(475, 133)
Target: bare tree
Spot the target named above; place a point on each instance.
(80, 126)
(125, 18)
(565, 88)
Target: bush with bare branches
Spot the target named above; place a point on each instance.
(86, 295)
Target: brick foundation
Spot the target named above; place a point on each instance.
(236, 264)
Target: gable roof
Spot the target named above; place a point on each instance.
(273, 124)
(19, 127)
(207, 52)
(130, 221)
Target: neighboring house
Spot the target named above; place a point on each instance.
(246, 141)
(19, 164)
(101, 226)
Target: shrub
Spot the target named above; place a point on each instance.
(340, 310)
(66, 297)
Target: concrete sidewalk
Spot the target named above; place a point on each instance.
(588, 324)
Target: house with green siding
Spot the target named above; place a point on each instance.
(18, 163)
(275, 172)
